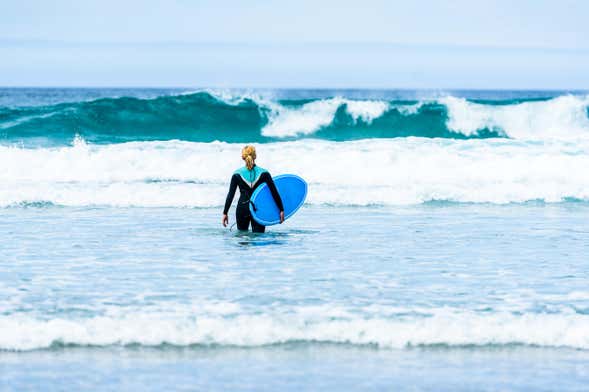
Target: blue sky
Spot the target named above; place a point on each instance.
(371, 43)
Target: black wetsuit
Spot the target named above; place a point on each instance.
(248, 181)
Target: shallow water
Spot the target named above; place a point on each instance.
(307, 367)
(439, 296)
(443, 245)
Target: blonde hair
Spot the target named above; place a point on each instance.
(248, 154)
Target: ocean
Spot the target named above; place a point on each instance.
(444, 243)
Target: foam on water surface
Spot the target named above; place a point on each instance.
(185, 327)
(450, 228)
(231, 116)
(370, 172)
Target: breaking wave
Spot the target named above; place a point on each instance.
(206, 116)
(398, 171)
(233, 327)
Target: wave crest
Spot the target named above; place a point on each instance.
(564, 117)
(442, 327)
(207, 116)
(312, 116)
(369, 172)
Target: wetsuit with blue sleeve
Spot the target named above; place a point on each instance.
(248, 181)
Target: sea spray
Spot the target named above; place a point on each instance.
(193, 326)
(205, 116)
(369, 172)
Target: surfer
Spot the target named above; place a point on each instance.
(248, 178)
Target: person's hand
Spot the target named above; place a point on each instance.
(225, 220)
(281, 216)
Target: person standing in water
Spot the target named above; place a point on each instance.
(248, 178)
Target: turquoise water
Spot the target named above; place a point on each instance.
(439, 297)
(55, 116)
(418, 263)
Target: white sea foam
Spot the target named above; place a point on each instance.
(310, 117)
(232, 97)
(564, 117)
(411, 109)
(383, 171)
(449, 327)
(367, 111)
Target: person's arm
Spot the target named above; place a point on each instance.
(229, 200)
(268, 180)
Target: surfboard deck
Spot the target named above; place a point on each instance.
(293, 192)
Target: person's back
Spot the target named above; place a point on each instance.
(248, 178)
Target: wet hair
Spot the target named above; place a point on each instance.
(248, 154)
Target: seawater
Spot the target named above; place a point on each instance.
(450, 259)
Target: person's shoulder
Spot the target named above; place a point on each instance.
(236, 174)
(241, 171)
(261, 170)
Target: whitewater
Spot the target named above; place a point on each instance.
(368, 172)
(209, 115)
(443, 244)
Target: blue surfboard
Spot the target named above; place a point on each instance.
(292, 190)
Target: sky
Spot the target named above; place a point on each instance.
(306, 44)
